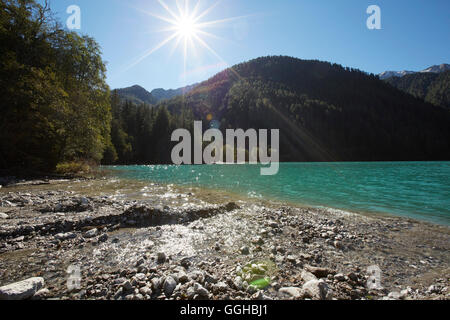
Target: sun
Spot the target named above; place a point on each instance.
(186, 27)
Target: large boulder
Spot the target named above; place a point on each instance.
(21, 290)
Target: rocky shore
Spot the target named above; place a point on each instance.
(105, 239)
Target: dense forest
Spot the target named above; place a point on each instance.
(55, 101)
(325, 112)
(57, 108)
(430, 87)
(141, 134)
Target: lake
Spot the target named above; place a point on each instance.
(419, 190)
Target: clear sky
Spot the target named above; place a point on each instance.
(414, 35)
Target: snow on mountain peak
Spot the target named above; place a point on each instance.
(433, 69)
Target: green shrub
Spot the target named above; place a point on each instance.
(73, 168)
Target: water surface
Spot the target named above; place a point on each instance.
(419, 190)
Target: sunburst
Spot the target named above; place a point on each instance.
(187, 28)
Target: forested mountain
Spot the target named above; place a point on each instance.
(55, 104)
(431, 87)
(325, 111)
(136, 94)
(161, 94)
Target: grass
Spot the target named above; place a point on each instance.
(258, 273)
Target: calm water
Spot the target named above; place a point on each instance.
(419, 190)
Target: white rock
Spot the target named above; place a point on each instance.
(6, 203)
(293, 292)
(18, 239)
(261, 296)
(307, 276)
(220, 287)
(406, 292)
(145, 291)
(395, 295)
(41, 294)
(140, 277)
(21, 290)
(182, 277)
(91, 233)
(238, 283)
(65, 236)
(318, 289)
(433, 289)
(190, 293)
(197, 275)
(3, 215)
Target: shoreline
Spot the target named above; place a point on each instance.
(121, 242)
(15, 183)
(432, 209)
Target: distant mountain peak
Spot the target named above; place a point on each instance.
(390, 74)
(136, 94)
(433, 69)
(438, 68)
(162, 94)
(140, 95)
(136, 86)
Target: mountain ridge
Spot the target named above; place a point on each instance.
(139, 95)
(163, 94)
(326, 112)
(433, 69)
(136, 94)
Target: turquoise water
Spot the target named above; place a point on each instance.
(419, 190)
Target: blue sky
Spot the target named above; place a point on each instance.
(414, 35)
